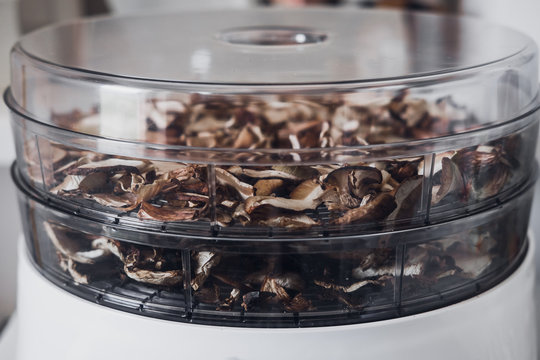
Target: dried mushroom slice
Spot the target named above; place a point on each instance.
(223, 177)
(143, 264)
(112, 165)
(307, 196)
(166, 213)
(206, 260)
(72, 246)
(375, 210)
(451, 181)
(266, 187)
(407, 198)
(346, 288)
(352, 183)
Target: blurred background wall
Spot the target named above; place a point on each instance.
(22, 16)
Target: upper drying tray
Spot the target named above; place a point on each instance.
(169, 79)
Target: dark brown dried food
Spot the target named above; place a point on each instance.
(112, 165)
(485, 170)
(353, 183)
(266, 187)
(293, 221)
(299, 303)
(166, 213)
(407, 198)
(451, 181)
(72, 246)
(144, 264)
(375, 210)
(255, 298)
(346, 288)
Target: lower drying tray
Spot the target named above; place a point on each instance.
(276, 282)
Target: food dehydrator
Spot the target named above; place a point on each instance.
(315, 183)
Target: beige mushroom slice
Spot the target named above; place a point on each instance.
(296, 173)
(70, 183)
(295, 221)
(206, 260)
(407, 198)
(113, 201)
(113, 165)
(223, 177)
(348, 118)
(437, 163)
(165, 167)
(306, 196)
(163, 278)
(162, 112)
(241, 215)
(72, 248)
(108, 246)
(346, 289)
(153, 277)
(166, 213)
(70, 266)
(414, 111)
(451, 181)
(280, 112)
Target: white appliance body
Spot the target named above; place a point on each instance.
(498, 324)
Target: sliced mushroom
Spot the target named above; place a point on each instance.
(111, 200)
(206, 260)
(451, 181)
(310, 201)
(113, 165)
(492, 182)
(166, 213)
(278, 172)
(299, 303)
(265, 187)
(437, 163)
(293, 221)
(223, 177)
(70, 183)
(353, 182)
(93, 182)
(346, 288)
(71, 247)
(375, 210)
(70, 266)
(270, 285)
(407, 198)
(162, 278)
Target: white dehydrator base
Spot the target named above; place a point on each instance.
(499, 324)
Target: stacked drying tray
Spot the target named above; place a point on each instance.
(264, 173)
